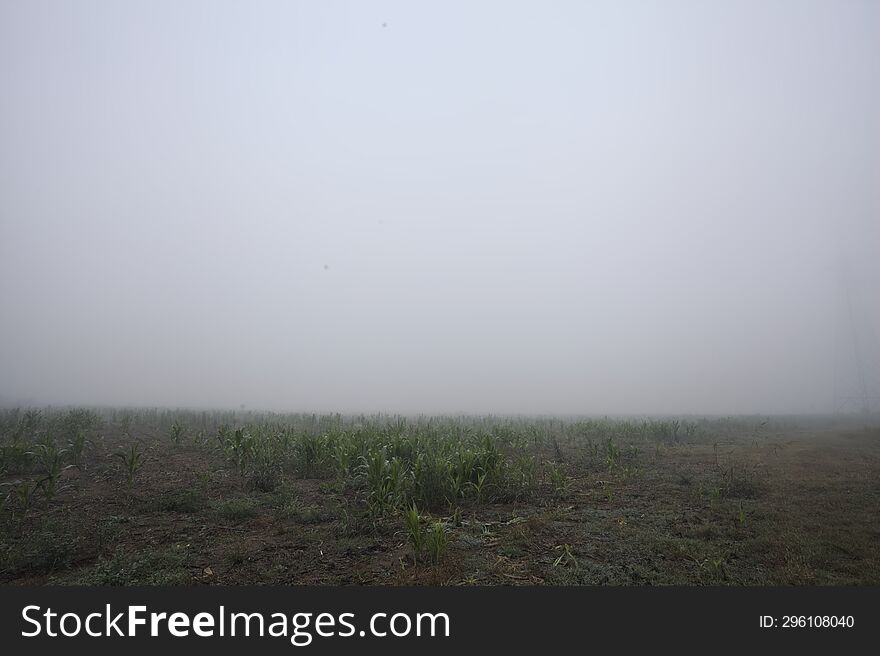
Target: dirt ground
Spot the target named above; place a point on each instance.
(797, 505)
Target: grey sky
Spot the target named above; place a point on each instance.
(597, 207)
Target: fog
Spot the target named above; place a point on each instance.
(507, 207)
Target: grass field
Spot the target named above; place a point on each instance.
(140, 497)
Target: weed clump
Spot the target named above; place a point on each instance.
(237, 510)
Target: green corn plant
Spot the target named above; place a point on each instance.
(415, 532)
(132, 461)
(51, 462)
(223, 436)
(480, 486)
(489, 457)
(76, 444)
(592, 450)
(313, 455)
(343, 458)
(524, 475)
(239, 447)
(385, 481)
(558, 481)
(436, 542)
(632, 452)
(266, 473)
(430, 476)
(31, 420)
(394, 480)
(456, 484)
(717, 567)
(629, 471)
(612, 454)
(375, 469)
(176, 433)
(23, 493)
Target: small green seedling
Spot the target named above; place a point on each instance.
(415, 531)
(51, 461)
(566, 558)
(132, 461)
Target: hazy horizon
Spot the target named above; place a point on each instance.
(511, 208)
